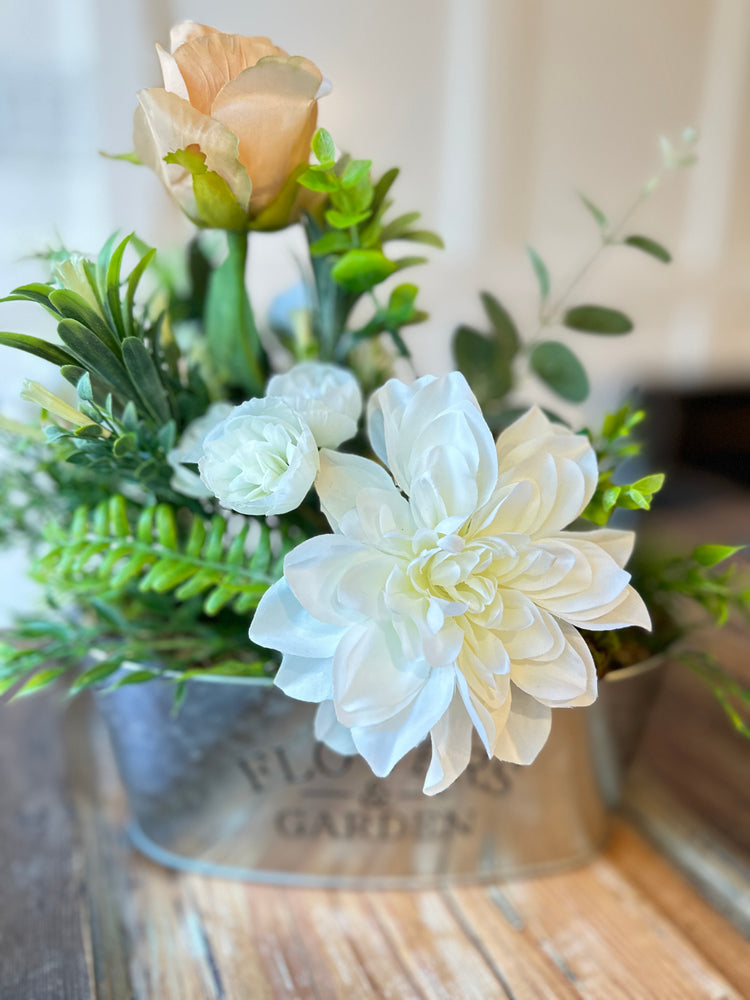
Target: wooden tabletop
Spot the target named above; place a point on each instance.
(661, 913)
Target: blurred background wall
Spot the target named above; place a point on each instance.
(497, 111)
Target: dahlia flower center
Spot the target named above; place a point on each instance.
(454, 570)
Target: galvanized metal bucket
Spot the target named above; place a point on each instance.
(234, 784)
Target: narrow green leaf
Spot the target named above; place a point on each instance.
(262, 554)
(200, 582)
(39, 348)
(127, 157)
(397, 227)
(114, 304)
(596, 213)
(597, 319)
(403, 262)
(218, 599)
(649, 246)
(166, 526)
(541, 272)
(99, 282)
(88, 431)
(133, 677)
(425, 236)
(214, 546)
(712, 555)
(36, 291)
(130, 417)
(167, 435)
(382, 187)
(196, 538)
(92, 676)
(145, 377)
(88, 349)
(133, 280)
(560, 369)
(40, 680)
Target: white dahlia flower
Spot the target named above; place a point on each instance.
(449, 596)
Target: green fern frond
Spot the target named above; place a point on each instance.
(102, 553)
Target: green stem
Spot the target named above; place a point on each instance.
(552, 315)
(231, 332)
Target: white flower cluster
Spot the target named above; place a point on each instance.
(262, 456)
(449, 596)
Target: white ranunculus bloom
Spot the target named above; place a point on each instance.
(190, 448)
(327, 396)
(451, 599)
(261, 459)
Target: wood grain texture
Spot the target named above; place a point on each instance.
(42, 954)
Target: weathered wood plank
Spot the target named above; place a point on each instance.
(611, 940)
(527, 971)
(42, 949)
(657, 879)
(434, 948)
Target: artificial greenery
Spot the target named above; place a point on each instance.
(147, 573)
(494, 360)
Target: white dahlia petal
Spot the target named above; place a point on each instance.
(627, 609)
(526, 729)
(617, 544)
(305, 678)
(372, 681)
(383, 745)
(280, 622)
(561, 463)
(329, 730)
(563, 676)
(342, 477)
(591, 583)
(337, 580)
(406, 422)
(451, 747)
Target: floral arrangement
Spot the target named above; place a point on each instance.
(447, 569)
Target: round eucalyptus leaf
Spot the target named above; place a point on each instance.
(560, 369)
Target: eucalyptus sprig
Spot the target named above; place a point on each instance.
(494, 359)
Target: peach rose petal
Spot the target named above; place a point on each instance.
(165, 123)
(209, 62)
(272, 108)
(186, 31)
(170, 72)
